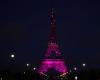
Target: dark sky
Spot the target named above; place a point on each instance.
(25, 26)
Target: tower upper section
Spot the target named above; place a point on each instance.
(53, 26)
(53, 47)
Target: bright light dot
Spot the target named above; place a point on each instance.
(70, 71)
(12, 55)
(75, 68)
(84, 64)
(27, 65)
(76, 77)
(34, 68)
(24, 72)
(1, 78)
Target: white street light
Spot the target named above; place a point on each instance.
(27, 65)
(75, 68)
(76, 77)
(24, 72)
(83, 64)
(70, 70)
(1, 78)
(34, 68)
(12, 55)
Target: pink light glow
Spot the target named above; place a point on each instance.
(57, 64)
(53, 47)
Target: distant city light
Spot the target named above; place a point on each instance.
(12, 55)
(24, 72)
(75, 68)
(83, 64)
(1, 78)
(34, 68)
(27, 65)
(76, 77)
(70, 70)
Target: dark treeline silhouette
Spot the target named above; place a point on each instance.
(33, 75)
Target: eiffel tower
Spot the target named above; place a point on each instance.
(53, 58)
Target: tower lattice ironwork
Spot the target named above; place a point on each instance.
(54, 62)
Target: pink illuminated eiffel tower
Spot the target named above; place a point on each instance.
(53, 58)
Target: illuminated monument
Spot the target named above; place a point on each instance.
(53, 58)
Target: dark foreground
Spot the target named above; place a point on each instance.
(33, 75)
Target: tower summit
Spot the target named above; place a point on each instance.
(53, 62)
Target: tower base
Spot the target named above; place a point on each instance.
(56, 64)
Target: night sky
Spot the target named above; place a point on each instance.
(25, 27)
